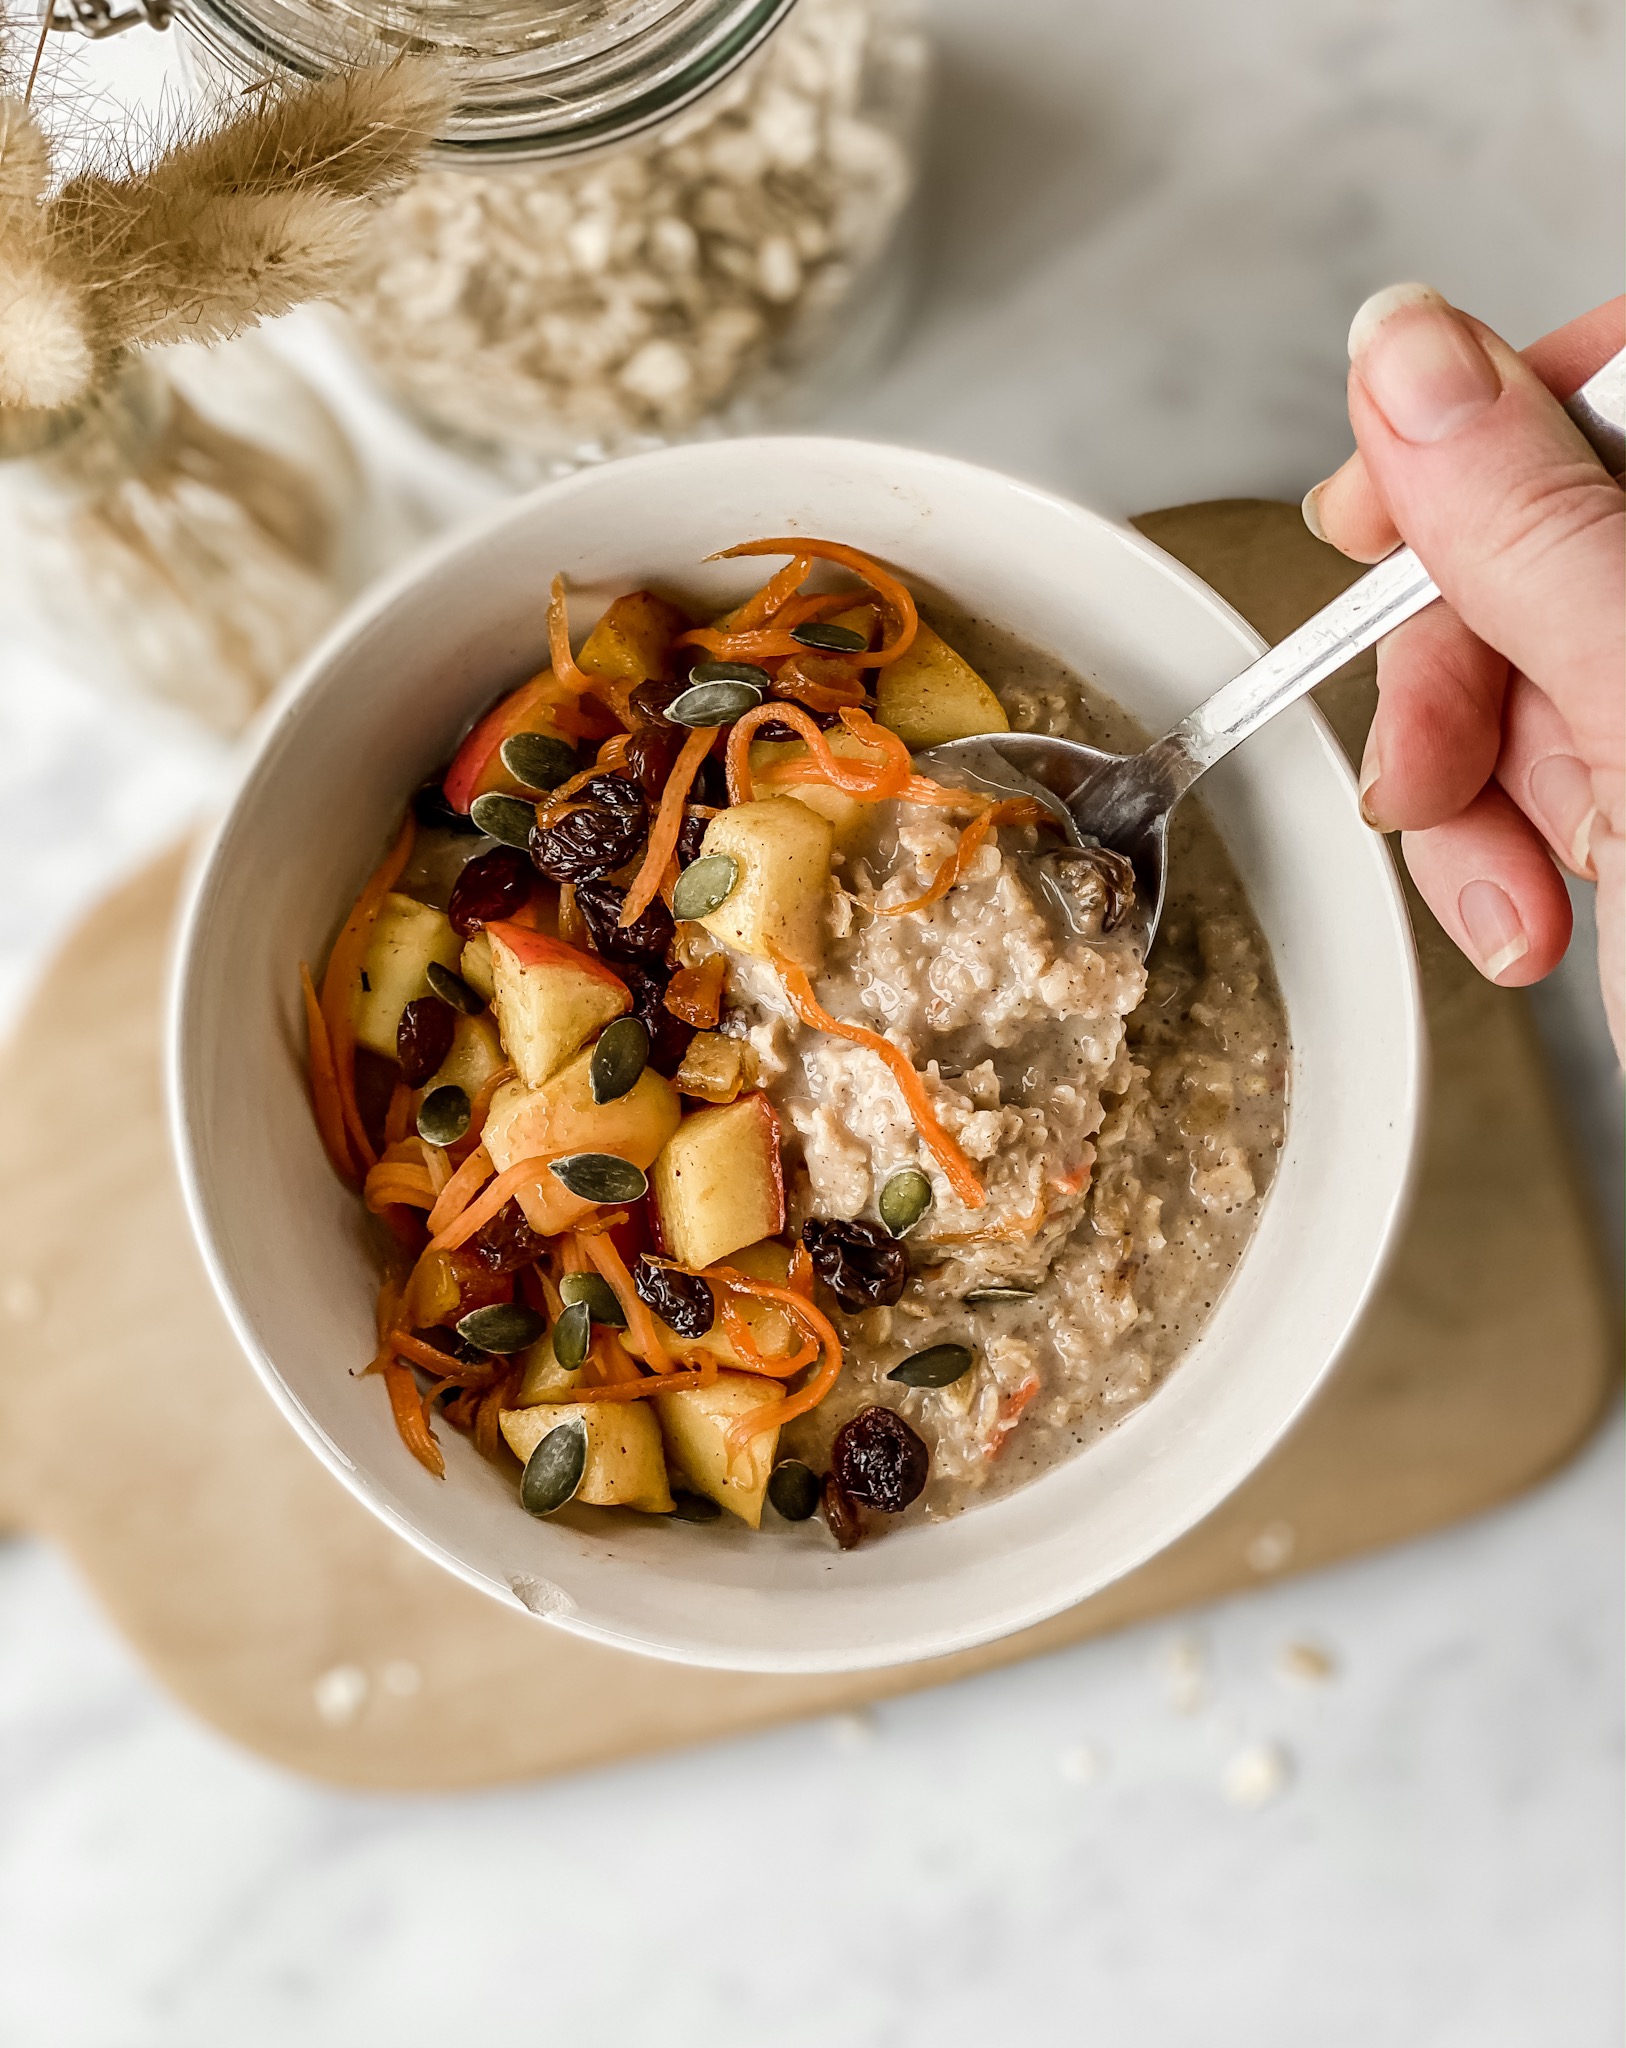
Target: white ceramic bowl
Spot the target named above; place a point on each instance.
(382, 701)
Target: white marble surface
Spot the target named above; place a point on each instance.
(1148, 229)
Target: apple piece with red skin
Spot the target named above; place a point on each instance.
(477, 768)
(719, 1182)
(550, 998)
(561, 1118)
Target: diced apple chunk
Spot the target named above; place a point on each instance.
(931, 694)
(626, 1463)
(551, 998)
(719, 1182)
(475, 1056)
(543, 1378)
(407, 936)
(713, 1067)
(780, 901)
(634, 637)
(695, 1423)
(770, 757)
(475, 965)
(771, 1328)
(478, 767)
(561, 1117)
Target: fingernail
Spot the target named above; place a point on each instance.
(1310, 508)
(1421, 366)
(1371, 769)
(1561, 790)
(1493, 928)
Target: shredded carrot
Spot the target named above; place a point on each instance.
(800, 1277)
(641, 1326)
(751, 1355)
(780, 587)
(1011, 1410)
(962, 1175)
(487, 1429)
(819, 683)
(325, 1096)
(461, 1189)
(612, 1361)
(479, 1110)
(392, 1186)
(410, 1420)
(600, 1220)
(572, 925)
(893, 594)
(663, 834)
(439, 1167)
(341, 983)
(773, 1414)
(696, 993)
(405, 1345)
(641, 1389)
(669, 880)
(398, 1117)
(564, 662)
(888, 777)
(1016, 810)
(524, 1174)
(613, 753)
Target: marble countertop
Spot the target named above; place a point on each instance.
(1379, 1804)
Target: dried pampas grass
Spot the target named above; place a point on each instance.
(236, 219)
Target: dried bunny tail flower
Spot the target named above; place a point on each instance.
(25, 162)
(230, 226)
(47, 357)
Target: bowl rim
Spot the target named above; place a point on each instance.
(258, 756)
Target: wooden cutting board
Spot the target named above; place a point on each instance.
(133, 1434)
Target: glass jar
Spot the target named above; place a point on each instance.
(186, 533)
(648, 219)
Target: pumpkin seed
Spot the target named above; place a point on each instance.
(596, 1295)
(693, 1507)
(506, 818)
(714, 703)
(704, 884)
(905, 1198)
(730, 672)
(453, 989)
(443, 1115)
(554, 1469)
(794, 1490)
(834, 639)
(502, 1327)
(979, 1295)
(939, 1365)
(601, 1177)
(618, 1059)
(538, 759)
(571, 1336)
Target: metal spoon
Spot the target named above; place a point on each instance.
(1124, 800)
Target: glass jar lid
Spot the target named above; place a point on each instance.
(537, 78)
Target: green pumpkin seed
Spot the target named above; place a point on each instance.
(443, 1115)
(453, 989)
(618, 1059)
(905, 1199)
(794, 1490)
(704, 884)
(538, 759)
(571, 1336)
(940, 1365)
(713, 703)
(693, 1507)
(601, 1177)
(596, 1295)
(502, 1327)
(834, 639)
(554, 1469)
(980, 1295)
(730, 672)
(505, 818)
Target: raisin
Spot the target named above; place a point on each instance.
(508, 1242)
(601, 832)
(651, 698)
(682, 1299)
(841, 1514)
(652, 753)
(710, 785)
(879, 1461)
(492, 885)
(669, 1036)
(423, 1038)
(690, 835)
(601, 903)
(430, 808)
(862, 1264)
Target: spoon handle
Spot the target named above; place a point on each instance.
(1379, 601)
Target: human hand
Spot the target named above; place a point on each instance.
(1500, 736)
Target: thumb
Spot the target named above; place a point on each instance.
(1493, 486)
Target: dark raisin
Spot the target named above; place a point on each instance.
(774, 730)
(841, 1514)
(508, 1242)
(682, 1299)
(652, 753)
(600, 904)
(430, 808)
(862, 1264)
(601, 832)
(423, 1038)
(492, 885)
(646, 977)
(650, 699)
(710, 785)
(879, 1461)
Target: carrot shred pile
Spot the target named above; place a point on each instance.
(407, 1406)
(774, 1414)
(663, 833)
(888, 776)
(1016, 810)
(779, 589)
(325, 1096)
(961, 1174)
(523, 1174)
(461, 1189)
(765, 642)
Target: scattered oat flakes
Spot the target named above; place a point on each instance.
(340, 1694)
(1306, 1662)
(1272, 1549)
(1257, 1774)
(1184, 1664)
